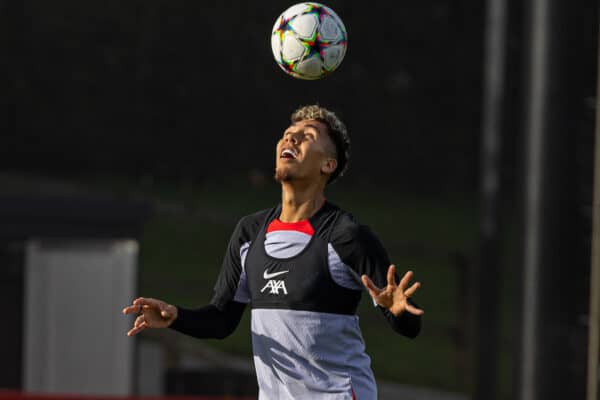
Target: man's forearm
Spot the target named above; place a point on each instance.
(209, 322)
(406, 324)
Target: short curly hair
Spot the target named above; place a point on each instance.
(337, 132)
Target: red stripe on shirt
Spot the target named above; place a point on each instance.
(303, 226)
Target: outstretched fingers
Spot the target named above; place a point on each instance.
(139, 325)
(391, 276)
(405, 280)
(145, 303)
(374, 291)
(411, 290)
(137, 329)
(133, 309)
(414, 310)
(139, 321)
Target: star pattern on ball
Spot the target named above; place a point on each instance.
(311, 63)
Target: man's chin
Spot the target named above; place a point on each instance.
(283, 175)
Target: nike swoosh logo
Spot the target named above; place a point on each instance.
(274, 274)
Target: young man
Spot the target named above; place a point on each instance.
(301, 266)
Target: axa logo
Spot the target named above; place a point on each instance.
(273, 284)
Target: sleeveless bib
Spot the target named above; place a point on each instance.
(302, 282)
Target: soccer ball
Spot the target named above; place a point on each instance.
(309, 41)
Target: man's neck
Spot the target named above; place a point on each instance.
(298, 204)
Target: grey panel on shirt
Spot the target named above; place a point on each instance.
(297, 357)
(286, 244)
(242, 293)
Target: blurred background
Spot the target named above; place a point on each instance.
(134, 135)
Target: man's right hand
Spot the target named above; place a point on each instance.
(153, 313)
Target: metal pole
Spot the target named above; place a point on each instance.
(489, 263)
(594, 329)
(536, 141)
(551, 365)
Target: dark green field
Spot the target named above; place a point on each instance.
(184, 242)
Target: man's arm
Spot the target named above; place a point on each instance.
(362, 251)
(406, 324)
(205, 322)
(222, 316)
(394, 299)
(216, 320)
(209, 322)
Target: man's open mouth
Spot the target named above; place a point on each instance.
(288, 153)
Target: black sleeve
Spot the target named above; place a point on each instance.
(407, 324)
(361, 250)
(209, 322)
(230, 285)
(231, 270)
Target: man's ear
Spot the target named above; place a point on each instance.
(328, 166)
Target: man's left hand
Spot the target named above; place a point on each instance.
(394, 296)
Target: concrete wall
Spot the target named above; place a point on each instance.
(75, 335)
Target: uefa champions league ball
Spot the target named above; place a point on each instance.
(309, 41)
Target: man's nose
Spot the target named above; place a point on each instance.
(292, 137)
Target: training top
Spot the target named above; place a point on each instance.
(302, 281)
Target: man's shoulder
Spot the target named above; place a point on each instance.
(348, 229)
(255, 218)
(346, 222)
(249, 225)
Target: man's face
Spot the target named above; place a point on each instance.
(304, 152)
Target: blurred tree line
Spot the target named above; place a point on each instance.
(189, 89)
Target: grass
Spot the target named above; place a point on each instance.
(183, 244)
(182, 249)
